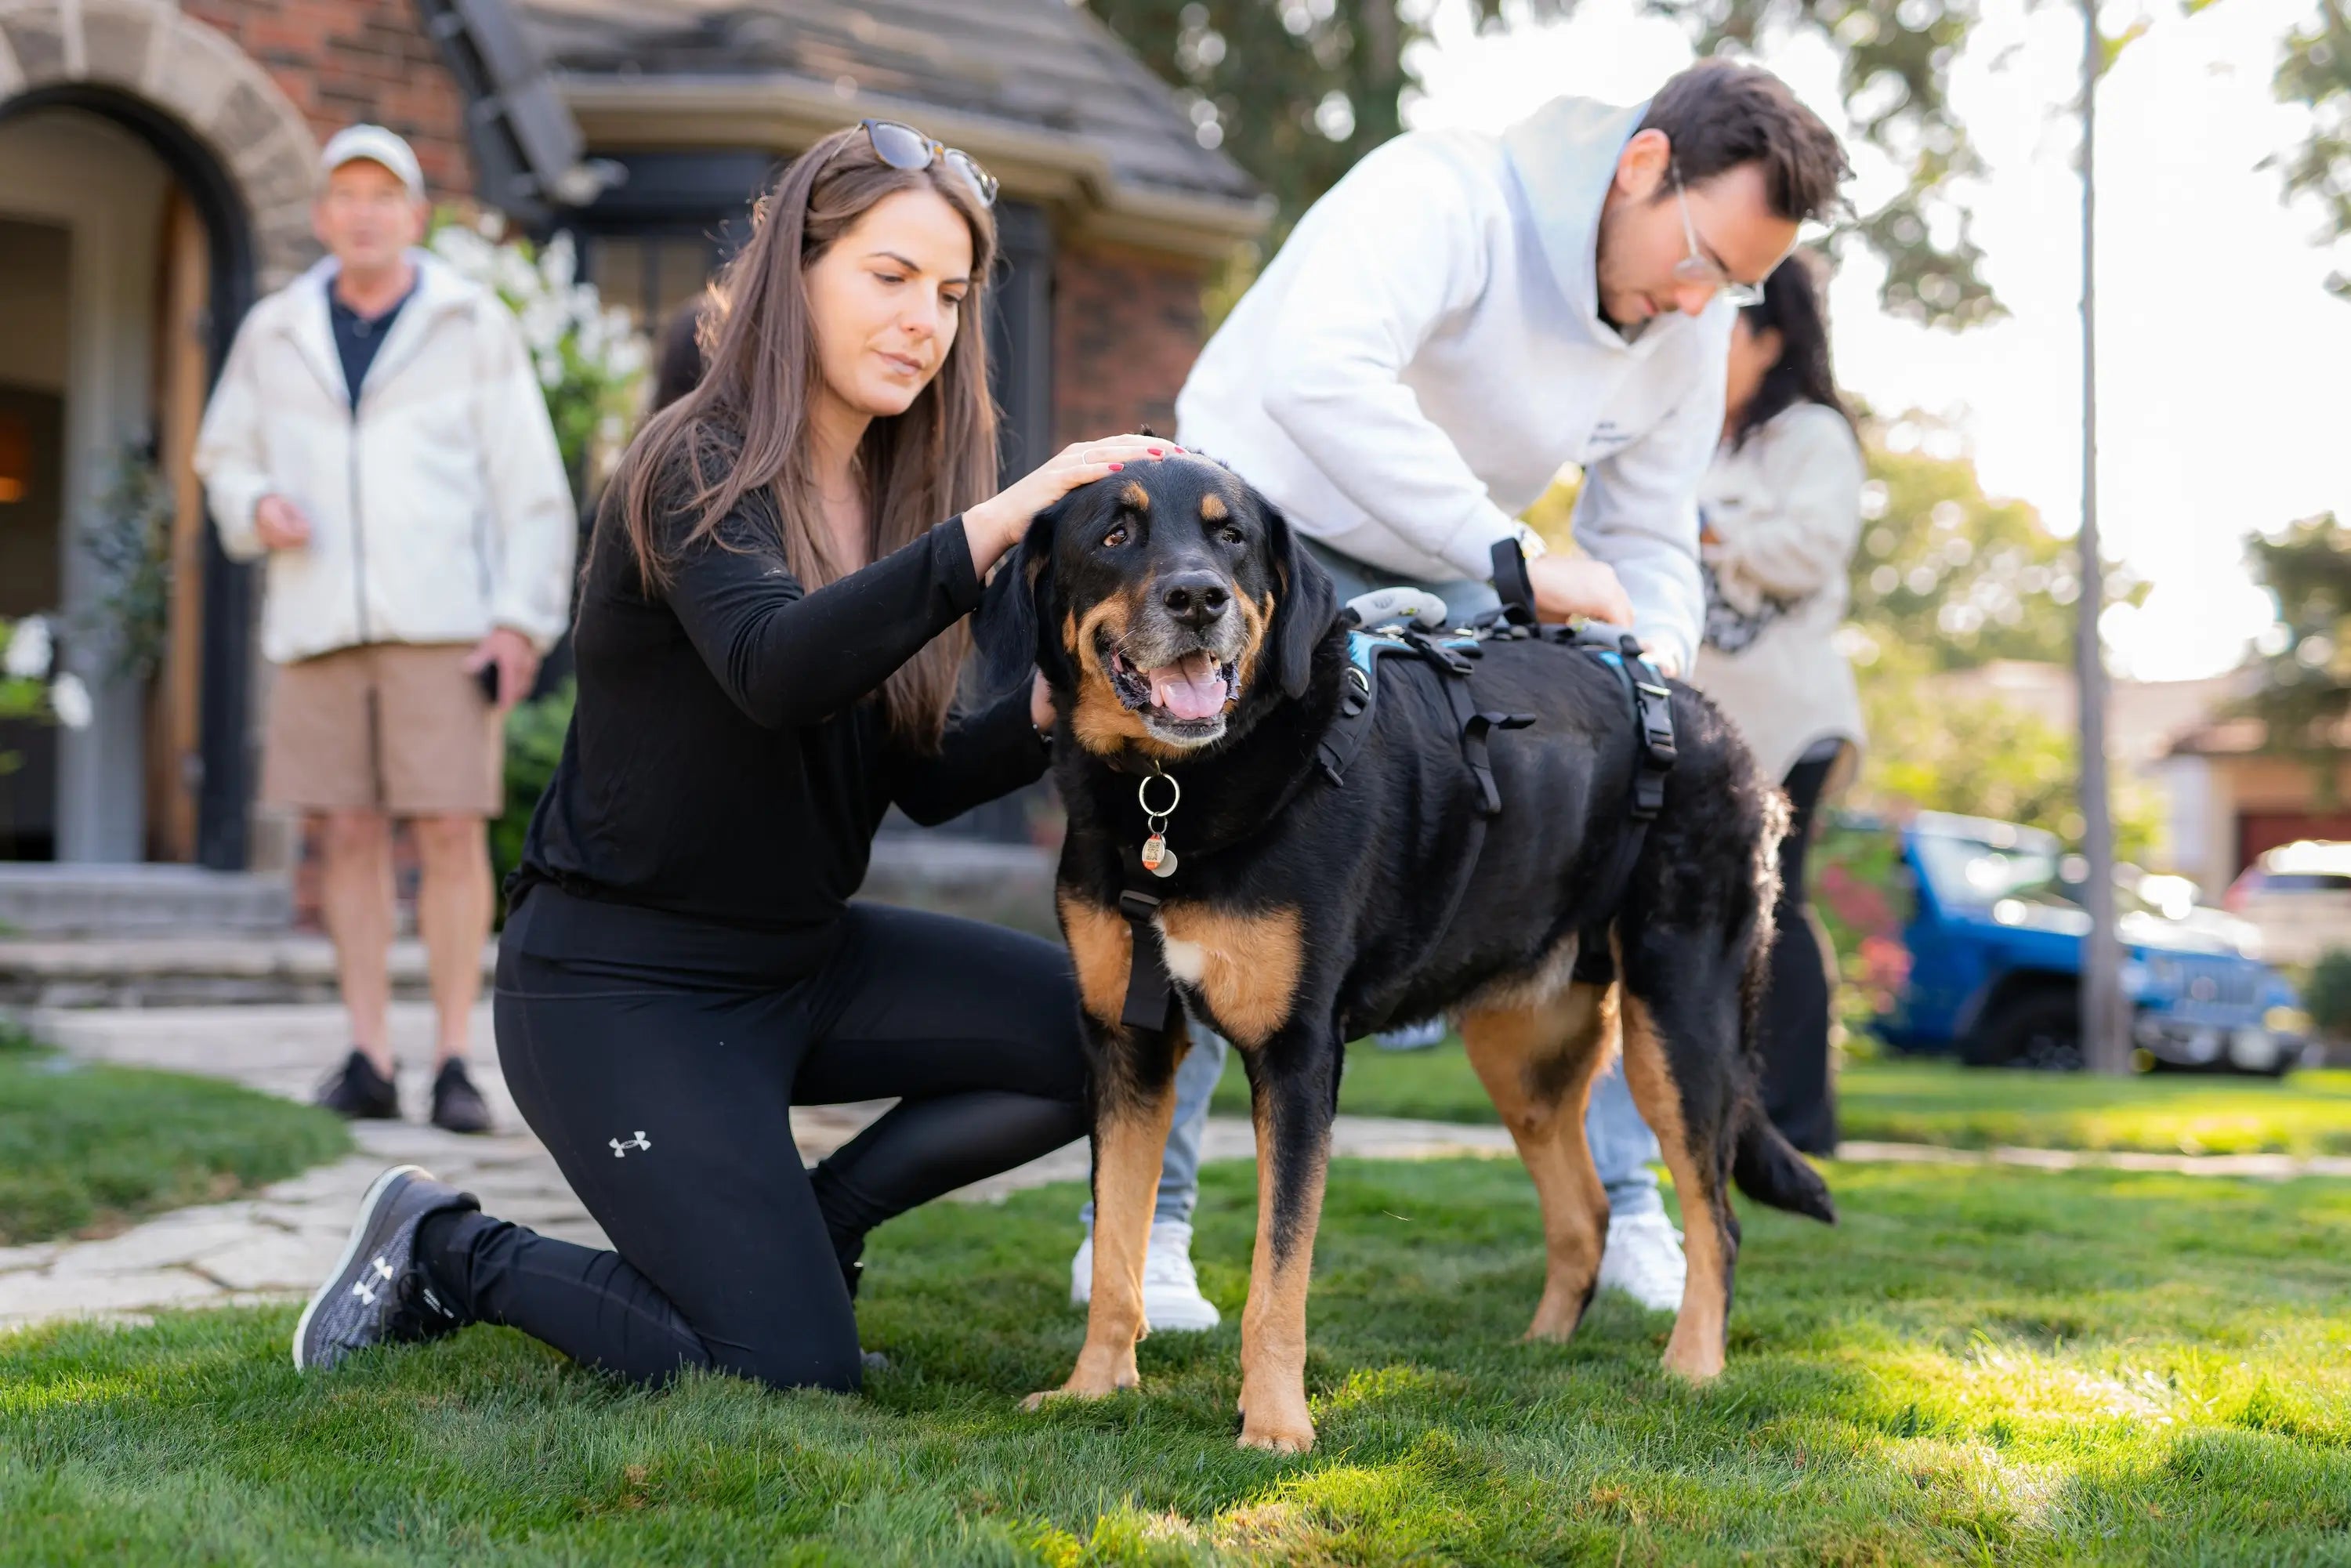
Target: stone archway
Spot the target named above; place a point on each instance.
(150, 50)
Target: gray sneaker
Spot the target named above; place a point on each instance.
(378, 1292)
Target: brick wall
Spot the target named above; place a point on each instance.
(1126, 327)
(343, 61)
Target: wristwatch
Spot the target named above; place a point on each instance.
(1530, 543)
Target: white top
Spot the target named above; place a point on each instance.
(1785, 509)
(1426, 351)
(438, 509)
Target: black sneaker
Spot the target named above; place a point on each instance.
(378, 1292)
(457, 1106)
(358, 1091)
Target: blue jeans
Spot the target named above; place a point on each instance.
(1622, 1147)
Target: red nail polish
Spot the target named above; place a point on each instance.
(1116, 466)
(1155, 452)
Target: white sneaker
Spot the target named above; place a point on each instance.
(1413, 1035)
(1171, 1302)
(1642, 1258)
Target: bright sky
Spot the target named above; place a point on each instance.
(2224, 401)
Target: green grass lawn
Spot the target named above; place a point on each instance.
(1925, 1102)
(1988, 1367)
(85, 1147)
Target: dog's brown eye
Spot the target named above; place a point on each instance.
(1232, 535)
(1115, 538)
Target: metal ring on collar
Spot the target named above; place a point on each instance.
(1143, 794)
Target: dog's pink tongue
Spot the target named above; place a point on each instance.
(1191, 689)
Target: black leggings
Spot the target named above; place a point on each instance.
(664, 1098)
(1797, 1094)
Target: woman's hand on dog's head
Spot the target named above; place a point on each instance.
(996, 524)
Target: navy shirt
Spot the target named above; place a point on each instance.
(358, 337)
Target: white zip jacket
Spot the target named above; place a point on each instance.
(438, 509)
(1426, 351)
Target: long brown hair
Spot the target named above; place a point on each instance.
(915, 468)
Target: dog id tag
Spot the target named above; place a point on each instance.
(1157, 858)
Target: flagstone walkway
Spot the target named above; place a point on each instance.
(277, 1244)
(280, 1242)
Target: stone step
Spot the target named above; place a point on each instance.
(63, 965)
(191, 971)
(75, 899)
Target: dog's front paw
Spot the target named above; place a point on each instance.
(1277, 1423)
(1291, 1435)
(1088, 1383)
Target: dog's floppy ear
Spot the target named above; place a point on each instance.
(1017, 624)
(1307, 603)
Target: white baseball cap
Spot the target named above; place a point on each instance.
(376, 145)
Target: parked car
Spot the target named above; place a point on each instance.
(1995, 932)
(2298, 896)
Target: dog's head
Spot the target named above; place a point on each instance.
(1168, 600)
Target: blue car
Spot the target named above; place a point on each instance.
(1996, 933)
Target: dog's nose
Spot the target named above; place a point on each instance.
(1195, 598)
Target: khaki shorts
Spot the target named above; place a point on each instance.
(400, 728)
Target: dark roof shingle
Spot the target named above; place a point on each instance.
(1040, 65)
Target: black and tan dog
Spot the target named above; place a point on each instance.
(1194, 648)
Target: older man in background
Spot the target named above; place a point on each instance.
(379, 439)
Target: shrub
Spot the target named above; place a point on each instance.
(2328, 994)
(535, 732)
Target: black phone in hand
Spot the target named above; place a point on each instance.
(487, 678)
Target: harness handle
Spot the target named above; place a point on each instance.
(1512, 583)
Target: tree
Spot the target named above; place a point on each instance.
(2314, 71)
(1295, 90)
(2307, 693)
(1946, 570)
(1947, 579)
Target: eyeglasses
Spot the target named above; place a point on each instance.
(904, 147)
(1701, 270)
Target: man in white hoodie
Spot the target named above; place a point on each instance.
(1451, 324)
(378, 435)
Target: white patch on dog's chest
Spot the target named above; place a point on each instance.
(1187, 961)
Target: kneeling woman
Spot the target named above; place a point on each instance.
(769, 636)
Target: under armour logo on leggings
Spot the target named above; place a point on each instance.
(620, 1150)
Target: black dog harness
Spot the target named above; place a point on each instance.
(1150, 994)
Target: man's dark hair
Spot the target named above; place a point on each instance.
(1719, 114)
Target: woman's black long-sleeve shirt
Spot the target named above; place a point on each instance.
(724, 762)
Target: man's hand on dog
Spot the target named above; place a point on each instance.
(995, 524)
(1571, 587)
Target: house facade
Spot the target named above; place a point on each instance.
(157, 161)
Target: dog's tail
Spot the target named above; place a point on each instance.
(1768, 1169)
(1764, 1165)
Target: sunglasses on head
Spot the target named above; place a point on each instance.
(904, 147)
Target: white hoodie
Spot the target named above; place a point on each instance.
(1426, 351)
(438, 508)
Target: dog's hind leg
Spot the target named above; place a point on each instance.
(1537, 1062)
(1679, 1046)
(1292, 1081)
(1134, 1099)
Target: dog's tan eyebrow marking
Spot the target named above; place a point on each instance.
(1135, 495)
(1213, 508)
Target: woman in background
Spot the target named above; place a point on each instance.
(1781, 511)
